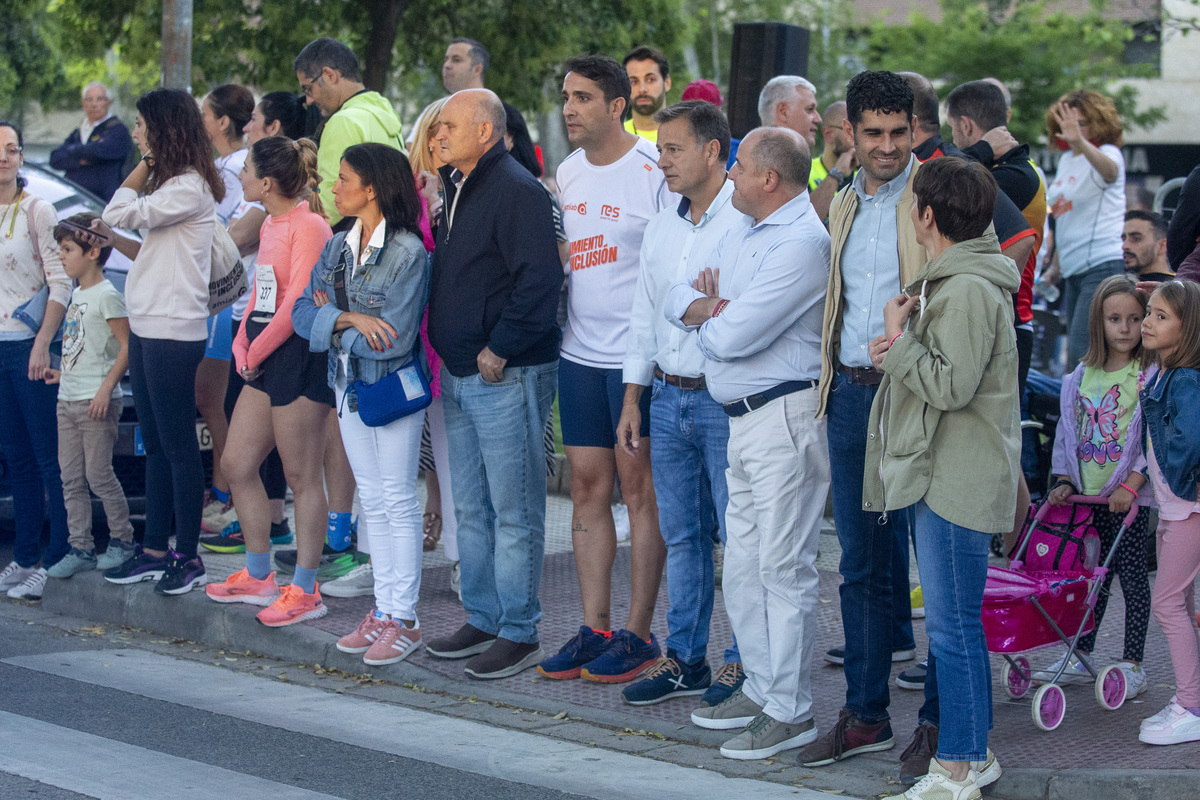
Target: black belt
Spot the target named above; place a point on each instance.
(756, 401)
(863, 376)
(687, 384)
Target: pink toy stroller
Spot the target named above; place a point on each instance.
(1047, 597)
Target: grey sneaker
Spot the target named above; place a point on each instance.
(75, 561)
(736, 711)
(358, 582)
(14, 575)
(765, 736)
(456, 580)
(118, 553)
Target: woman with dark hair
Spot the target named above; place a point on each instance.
(277, 114)
(286, 400)
(30, 275)
(225, 111)
(170, 195)
(1087, 200)
(370, 332)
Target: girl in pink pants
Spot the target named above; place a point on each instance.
(1171, 410)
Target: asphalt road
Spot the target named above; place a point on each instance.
(69, 737)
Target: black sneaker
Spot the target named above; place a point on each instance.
(141, 566)
(668, 678)
(913, 678)
(466, 641)
(334, 563)
(503, 659)
(182, 574)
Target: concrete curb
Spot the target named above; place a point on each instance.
(191, 617)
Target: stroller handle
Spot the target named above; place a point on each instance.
(1093, 500)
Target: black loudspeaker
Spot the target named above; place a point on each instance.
(761, 50)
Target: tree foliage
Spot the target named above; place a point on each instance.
(30, 66)
(1040, 54)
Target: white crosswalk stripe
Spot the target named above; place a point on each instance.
(447, 741)
(106, 769)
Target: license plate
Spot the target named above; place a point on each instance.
(202, 435)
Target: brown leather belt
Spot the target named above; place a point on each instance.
(688, 384)
(864, 376)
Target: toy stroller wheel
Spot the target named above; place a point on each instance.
(1049, 706)
(1111, 687)
(1015, 677)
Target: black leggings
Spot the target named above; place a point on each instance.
(162, 374)
(1130, 563)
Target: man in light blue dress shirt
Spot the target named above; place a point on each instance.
(759, 313)
(689, 429)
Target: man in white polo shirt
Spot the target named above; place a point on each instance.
(610, 188)
(689, 429)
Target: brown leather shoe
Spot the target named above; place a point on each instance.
(849, 737)
(914, 761)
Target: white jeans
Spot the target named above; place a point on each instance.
(441, 460)
(384, 462)
(778, 480)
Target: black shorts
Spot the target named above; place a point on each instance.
(1024, 357)
(292, 371)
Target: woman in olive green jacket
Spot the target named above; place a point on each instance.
(945, 439)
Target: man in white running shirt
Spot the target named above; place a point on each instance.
(610, 187)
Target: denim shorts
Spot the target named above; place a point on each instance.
(590, 400)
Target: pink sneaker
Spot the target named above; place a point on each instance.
(394, 644)
(361, 638)
(241, 588)
(294, 605)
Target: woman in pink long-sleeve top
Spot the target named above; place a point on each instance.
(286, 400)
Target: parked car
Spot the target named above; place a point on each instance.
(129, 460)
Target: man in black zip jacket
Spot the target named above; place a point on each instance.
(492, 318)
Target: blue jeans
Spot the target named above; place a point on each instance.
(953, 564)
(689, 434)
(876, 616)
(162, 376)
(29, 441)
(498, 471)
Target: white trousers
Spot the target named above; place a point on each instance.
(778, 478)
(384, 462)
(441, 460)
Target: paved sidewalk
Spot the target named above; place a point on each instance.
(1094, 754)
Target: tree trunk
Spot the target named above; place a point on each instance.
(377, 62)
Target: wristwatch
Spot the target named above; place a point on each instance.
(837, 174)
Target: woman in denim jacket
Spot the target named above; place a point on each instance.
(386, 279)
(1171, 408)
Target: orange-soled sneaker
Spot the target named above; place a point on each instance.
(361, 638)
(294, 605)
(241, 588)
(394, 644)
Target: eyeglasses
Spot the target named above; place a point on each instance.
(13, 152)
(307, 87)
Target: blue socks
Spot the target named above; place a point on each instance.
(222, 496)
(337, 534)
(306, 579)
(259, 565)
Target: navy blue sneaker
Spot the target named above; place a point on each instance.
(669, 678)
(182, 574)
(141, 566)
(626, 658)
(566, 664)
(728, 680)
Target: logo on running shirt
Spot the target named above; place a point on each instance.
(591, 251)
(580, 207)
(610, 212)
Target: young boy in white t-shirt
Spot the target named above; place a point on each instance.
(95, 354)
